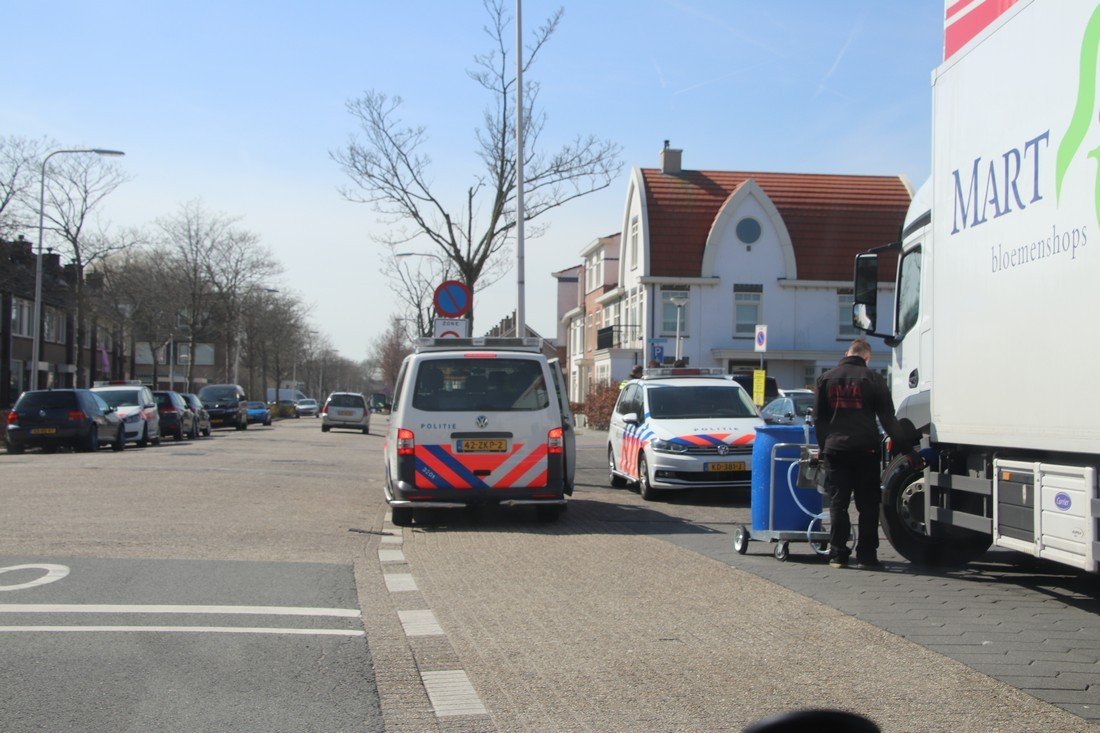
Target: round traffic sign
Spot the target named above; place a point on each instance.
(452, 299)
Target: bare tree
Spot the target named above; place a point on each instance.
(75, 186)
(194, 238)
(238, 267)
(390, 170)
(389, 350)
(19, 158)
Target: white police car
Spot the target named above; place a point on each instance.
(682, 429)
(134, 403)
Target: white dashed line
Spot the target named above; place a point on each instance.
(399, 582)
(391, 556)
(389, 539)
(420, 623)
(451, 693)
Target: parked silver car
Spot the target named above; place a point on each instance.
(345, 410)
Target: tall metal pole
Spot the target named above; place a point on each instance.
(521, 315)
(36, 347)
(679, 310)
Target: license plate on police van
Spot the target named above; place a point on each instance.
(43, 431)
(726, 466)
(482, 445)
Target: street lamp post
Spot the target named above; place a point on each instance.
(36, 349)
(679, 301)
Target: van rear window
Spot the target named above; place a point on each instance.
(466, 385)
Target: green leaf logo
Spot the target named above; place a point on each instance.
(1082, 112)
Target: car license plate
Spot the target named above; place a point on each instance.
(727, 466)
(43, 431)
(344, 413)
(480, 445)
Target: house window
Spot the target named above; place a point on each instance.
(748, 309)
(634, 243)
(748, 230)
(53, 322)
(669, 294)
(845, 330)
(593, 271)
(22, 318)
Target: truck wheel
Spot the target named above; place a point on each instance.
(903, 521)
(614, 479)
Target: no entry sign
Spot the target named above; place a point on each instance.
(452, 299)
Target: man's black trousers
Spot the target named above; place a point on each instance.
(848, 473)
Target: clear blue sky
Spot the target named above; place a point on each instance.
(239, 104)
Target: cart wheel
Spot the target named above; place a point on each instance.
(782, 551)
(741, 539)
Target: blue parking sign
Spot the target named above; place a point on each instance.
(659, 353)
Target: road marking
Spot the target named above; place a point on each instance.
(119, 608)
(398, 582)
(452, 693)
(389, 539)
(187, 629)
(53, 574)
(391, 556)
(420, 623)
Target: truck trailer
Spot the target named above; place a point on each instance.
(996, 287)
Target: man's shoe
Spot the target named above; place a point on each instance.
(838, 562)
(870, 563)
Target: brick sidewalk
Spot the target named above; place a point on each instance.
(587, 625)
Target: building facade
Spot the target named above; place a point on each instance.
(712, 254)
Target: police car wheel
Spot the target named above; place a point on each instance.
(644, 488)
(120, 440)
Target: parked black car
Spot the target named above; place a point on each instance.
(176, 418)
(55, 417)
(202, 417)
(227, 405)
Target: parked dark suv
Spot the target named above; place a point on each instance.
(227, 405)
(76, 417)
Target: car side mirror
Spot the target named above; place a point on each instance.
(631, 418)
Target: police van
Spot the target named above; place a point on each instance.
(479, 421)
(682, 428)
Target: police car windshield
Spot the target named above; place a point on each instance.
(671, 402)
(121, 397)
(466, 385)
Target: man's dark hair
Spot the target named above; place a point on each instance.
(860, 347)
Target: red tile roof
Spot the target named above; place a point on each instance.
(830, 218)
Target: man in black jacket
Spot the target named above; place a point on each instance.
(849, 398)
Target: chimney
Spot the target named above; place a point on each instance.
(670, 160)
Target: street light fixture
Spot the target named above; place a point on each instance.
(36, 349)
(679, 301)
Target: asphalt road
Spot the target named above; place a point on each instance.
(252, 582)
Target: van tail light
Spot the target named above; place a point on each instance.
(77, 415)
(324, 410)
(406, 442)
(554, 441)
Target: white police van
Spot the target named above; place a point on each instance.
(682, 428)
(479, 421)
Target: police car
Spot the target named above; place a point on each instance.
(478, 421)
(682, 429)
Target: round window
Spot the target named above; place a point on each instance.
(748, 230)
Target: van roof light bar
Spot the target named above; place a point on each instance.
(480, 342)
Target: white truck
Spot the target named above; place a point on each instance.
(997, 288)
